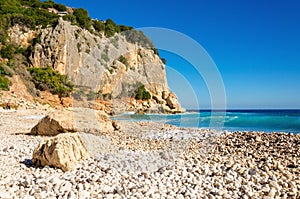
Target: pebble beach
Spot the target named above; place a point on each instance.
(154, 161)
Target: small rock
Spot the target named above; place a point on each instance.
(79, 186)
(252, 172)
(85, 194)
(258, 138)
(267, 197)
(5, 195)
(266, 189)
(55, 180)
(5, 149)
(272, 193)
(210, 196)
(71, 195)
(274, 185)
(110, 196)
(116, 125)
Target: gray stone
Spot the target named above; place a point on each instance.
(252, 172)
(5, 149)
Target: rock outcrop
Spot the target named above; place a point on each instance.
(172, 101)
(73, 120)
(112, 66)
(64, 151)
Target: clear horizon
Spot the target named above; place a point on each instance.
(254, 44)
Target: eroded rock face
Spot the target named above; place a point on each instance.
(172, 101)
(94, 62)
(73, 120)
(64, 151)
(21, 35)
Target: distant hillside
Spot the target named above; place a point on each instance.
(62, 50)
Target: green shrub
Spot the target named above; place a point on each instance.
(76, 35)
(60, 7)
(7, 52)
(107, 96)
(141, 93)
(82, 17)
(91, 95)
(99, 25)
(155, 51)
(22, 20)
(164, 60)
(70, 18)
(124, 61)
(114, 41)
(125, 28)
(136, 36)
(30, 13)
(4, 70)
(4, 83)
(48, 79)
(109, 30)
(105, 57)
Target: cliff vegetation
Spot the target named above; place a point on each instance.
(62, 50)
(36, 14)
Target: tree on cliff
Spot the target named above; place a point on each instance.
(141, 93)
(82, 17)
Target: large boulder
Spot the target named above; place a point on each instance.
(173, 103)
(63, 151)
(73, 120)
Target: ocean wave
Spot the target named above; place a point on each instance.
(268, 121)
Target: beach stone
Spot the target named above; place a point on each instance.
(272, 193)
(66, 187)
(5, 195)
(63, 151)
(73, 120)
(55, 180)
(274, 185)
(79, 186)
(258, 138)
(5, 149)
(85, 194)
(116, 125)
(71, 195)
(252, 172)
(210, 196)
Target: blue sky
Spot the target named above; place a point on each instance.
(254, 43)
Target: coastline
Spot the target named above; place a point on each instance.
(249, 120)
(202, 164)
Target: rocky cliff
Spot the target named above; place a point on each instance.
(110, 66)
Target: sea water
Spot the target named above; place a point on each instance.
(231, 120)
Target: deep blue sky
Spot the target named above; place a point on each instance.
(254, 43)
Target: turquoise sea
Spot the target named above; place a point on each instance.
(231, 120)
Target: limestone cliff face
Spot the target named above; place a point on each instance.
(110, 65)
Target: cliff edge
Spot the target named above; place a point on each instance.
(118, 68)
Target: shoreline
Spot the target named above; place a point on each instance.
(230, 165)
(239, 121)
